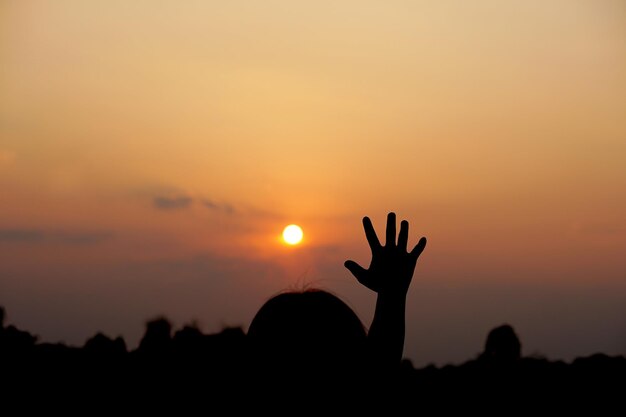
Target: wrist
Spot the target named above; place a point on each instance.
(395, 297)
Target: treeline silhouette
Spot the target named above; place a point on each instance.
(188, 366)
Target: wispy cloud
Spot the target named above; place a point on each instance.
(53, 236)
(21, 235)
(223, 207)
(80, 238)
(172, 203)
(183, 201)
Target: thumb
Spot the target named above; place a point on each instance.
(357, 270)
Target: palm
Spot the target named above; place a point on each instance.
(391, 268)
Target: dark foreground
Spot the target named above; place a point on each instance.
(190, 372)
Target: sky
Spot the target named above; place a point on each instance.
(152, 152)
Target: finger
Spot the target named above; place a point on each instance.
(370, 234)
(357, 270)
(403, 236)
(391, 229)
(419, 248)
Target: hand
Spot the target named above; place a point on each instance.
(392, 267)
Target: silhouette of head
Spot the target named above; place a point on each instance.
(502, 345)
(309, 330)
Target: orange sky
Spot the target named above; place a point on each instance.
(151, 153)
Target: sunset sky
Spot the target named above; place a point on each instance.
(152, 152)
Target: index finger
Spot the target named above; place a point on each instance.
(391, 230)
(370, 234)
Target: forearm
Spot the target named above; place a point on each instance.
(386, 334)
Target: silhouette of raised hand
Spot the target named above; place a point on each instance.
(389, 274)
(391, 268)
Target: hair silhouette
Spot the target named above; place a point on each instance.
(311, 330)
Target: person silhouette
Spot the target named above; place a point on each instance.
(301, 335)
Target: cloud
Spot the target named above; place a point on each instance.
(180, 200)
(55, 237)
(21, 235)
(223, 207)
(79, 238)
(172, 203)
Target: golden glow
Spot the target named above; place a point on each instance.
(293, 234)
(159, 141)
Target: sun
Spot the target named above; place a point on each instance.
(293, 234)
